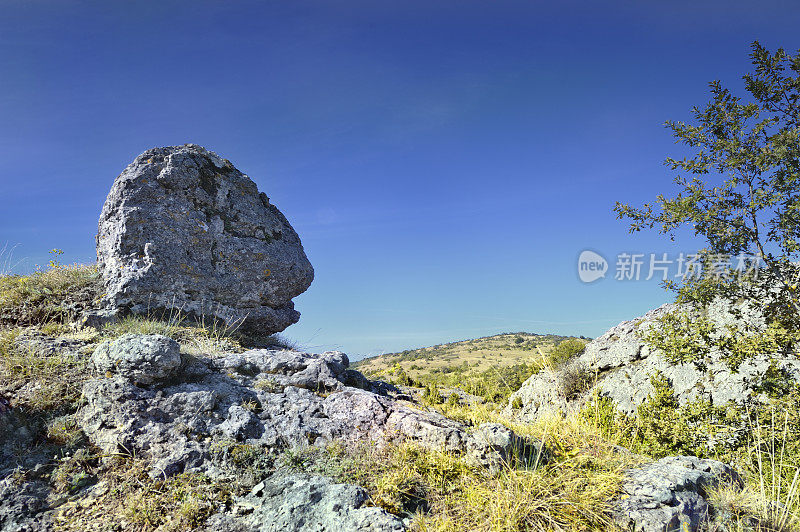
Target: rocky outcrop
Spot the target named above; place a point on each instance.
(305, 502)
(619, 365)
(671, 495)
(183, 230)
(173, 413)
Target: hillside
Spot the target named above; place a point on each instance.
(491, 367)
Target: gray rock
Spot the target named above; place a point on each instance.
(305, 503)
(268, 398)
(144, 359)
(5, 405)
(98, 318)
(183, 230)
(671, 495)
(24, 507)
(495, 446)
(619, 365)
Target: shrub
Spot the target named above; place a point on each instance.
(566, 350)
(575, 379)
(432, 395)
(516, 403)
(684, 336)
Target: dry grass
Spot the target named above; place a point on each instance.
(57, 294)
(42, 381)
(770, 500)
(197, 337)
(443, 492)
(131, 500)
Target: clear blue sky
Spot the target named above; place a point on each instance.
(443, 162)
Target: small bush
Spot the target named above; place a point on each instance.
(566, 350)
(691, 337)
(575, 380)
(432, 395)
(64, 430)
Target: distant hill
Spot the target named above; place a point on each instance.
(491, 367)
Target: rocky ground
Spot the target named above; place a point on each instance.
(180, 414)
(144, 393)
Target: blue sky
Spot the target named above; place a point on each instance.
(443, 162)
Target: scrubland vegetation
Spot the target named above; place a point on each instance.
(490, 368)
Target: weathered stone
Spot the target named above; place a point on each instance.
(144, 359)
(495, 446)
(268, 398)
(5, 404)
(619, 365)
(98, 318)
(182, 230)
(671, 495)
(23, 507)
(307, 503)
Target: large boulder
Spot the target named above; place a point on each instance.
(183, 230)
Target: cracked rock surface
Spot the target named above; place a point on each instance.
(183, 229)
(619, 365)
(305, 502)
(671, 494)
(272, 399)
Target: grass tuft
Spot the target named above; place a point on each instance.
(55, 295)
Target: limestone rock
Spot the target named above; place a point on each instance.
(267, 398)
(23, 508)
(671, 494)
(619, 365)
(183, 230)
(306, 503)
(495, 446)
(143, 359)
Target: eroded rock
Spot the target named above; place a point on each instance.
(619, 365)
(183, 230)
(308, 503)
(144, 359)
(671, 495)
(269, 398)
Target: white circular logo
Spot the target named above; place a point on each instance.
(591, 266)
